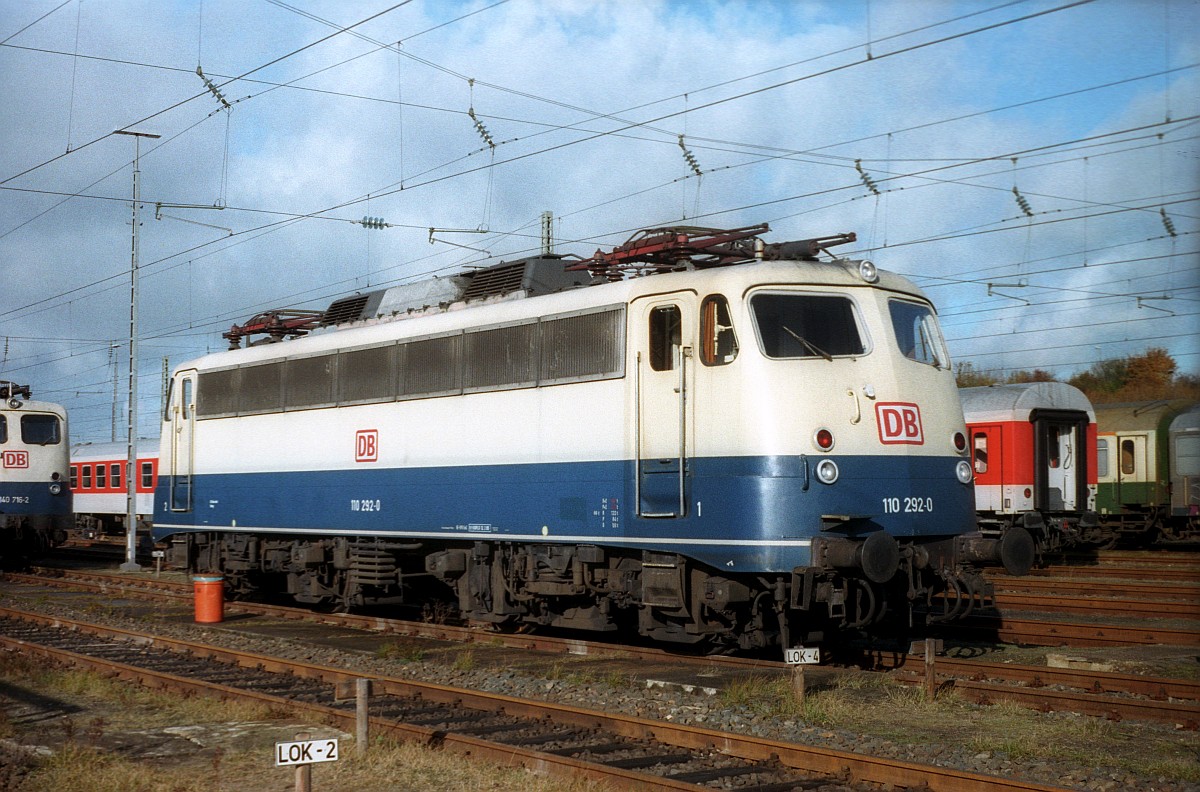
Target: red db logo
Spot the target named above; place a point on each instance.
(366, 445)
(16, 459)
(899, 422)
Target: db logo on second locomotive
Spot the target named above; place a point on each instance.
(899, 422)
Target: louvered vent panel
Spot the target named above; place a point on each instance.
(496, 280)
(347, 309)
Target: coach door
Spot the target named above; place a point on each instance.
(1132, 472)
(664, 376)
(182, 428)
(1061, 458)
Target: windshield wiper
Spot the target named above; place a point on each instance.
(816, 350)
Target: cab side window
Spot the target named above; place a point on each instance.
(3, 429)
(666, 335)
(718, 343)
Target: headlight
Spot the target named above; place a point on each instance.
(963, 470)
(827, 471)
(867, 271)
(55, 488)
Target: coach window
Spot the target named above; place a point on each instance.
(101, 478)
(1102, 458)
(40, 430)
(981, 453)
(666, 335)
(74, 476)
(87, 477)
(718, 344)
(1128, 460)
(147, 475)
(115, 475)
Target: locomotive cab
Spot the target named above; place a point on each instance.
(35, 499)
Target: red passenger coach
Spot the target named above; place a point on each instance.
(1033, 450)
(99, 486)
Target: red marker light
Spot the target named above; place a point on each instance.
(824, 439)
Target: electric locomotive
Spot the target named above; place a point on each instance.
(35, 501)
(99, 487)
(1149, 471)
(697, 437)
(1033, 449)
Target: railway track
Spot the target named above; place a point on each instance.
(621, 751)
(1099, 693)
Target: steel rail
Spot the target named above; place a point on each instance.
(1096, 682)
(838, 765)
(1186, 592)
(1096, 606)
(1031, 632)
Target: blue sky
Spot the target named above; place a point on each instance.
(1090, 111)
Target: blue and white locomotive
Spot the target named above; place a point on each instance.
(744, 445)
(35, 501)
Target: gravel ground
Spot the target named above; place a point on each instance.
(671, 704)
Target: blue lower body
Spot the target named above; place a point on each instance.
(740, 514)
(33, 498)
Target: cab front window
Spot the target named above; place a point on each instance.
(40, 430)
(806, 325)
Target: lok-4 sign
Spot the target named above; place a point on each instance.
(802, 655)
(306, 752)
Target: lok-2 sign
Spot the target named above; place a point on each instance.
(306, 752)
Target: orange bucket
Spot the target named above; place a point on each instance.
(210, 598)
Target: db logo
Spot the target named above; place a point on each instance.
(899, 422)
(16, 459)
(366, 445)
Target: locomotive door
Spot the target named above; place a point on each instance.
(663, 381)
(182, 428)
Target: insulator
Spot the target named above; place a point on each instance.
(1021, 202)
(213, 89)
(1166, 220)
(866, 177)
(373, 222)
(690, 158)
(481, 129)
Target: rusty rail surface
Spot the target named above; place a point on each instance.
(1092, 695)
(837, 766)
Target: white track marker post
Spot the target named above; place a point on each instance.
(362, 695)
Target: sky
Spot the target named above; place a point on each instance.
(1033, 165)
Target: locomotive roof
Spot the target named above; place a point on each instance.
(732, 281)
(34, 406)
(1018, 401)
